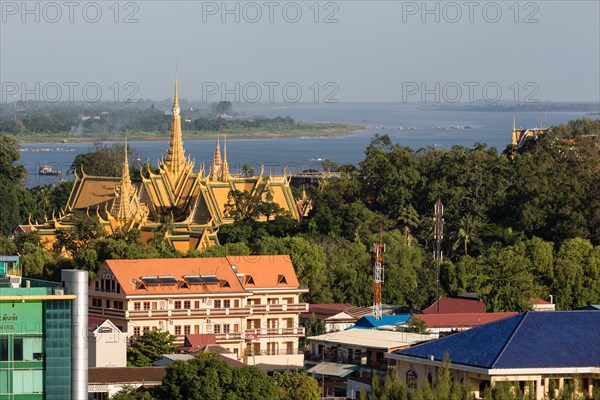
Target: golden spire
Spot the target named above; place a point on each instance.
(215, 169)
(175, 162)
(225, 171)
(514, 133)
(122, 206)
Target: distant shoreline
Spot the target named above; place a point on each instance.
(327, 130)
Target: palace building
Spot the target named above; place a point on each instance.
(194, 201)
(250, 305)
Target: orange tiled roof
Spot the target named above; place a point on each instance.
(129, 272)
(272, 271)
(266, 271)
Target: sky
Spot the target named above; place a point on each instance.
(308, 51)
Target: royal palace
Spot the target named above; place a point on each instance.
(193, 201)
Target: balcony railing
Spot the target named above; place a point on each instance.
(270, 308)
(228, 337)
(271, 332)
(204, 312)
(251, 353)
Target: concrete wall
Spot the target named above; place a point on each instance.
(107, 349)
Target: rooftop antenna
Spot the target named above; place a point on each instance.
(378, 274)
(438, 236)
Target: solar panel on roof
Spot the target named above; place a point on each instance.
(151, 280)
(202, 279)
(168, 280)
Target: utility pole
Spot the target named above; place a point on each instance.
(438, 236)
(378, 275)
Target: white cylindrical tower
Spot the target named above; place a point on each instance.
(76, 282)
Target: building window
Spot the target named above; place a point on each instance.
(217, 303)
(136, 306)
(178, 329)
(236, 303)
(146, 305)
(430, 379)
(102, 285)
(107, 303)
(411, 379)
(3, 348)
(225, 328)
(136, 331)
(197, 304)
(217, 328)
(3, 381)
(118, 288)
(178, 305)
(146, 329)
(187, 305)
(97, 285)
(27, 381)
(187, 329)
(226, 303)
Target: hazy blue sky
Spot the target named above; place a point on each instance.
(376, 51)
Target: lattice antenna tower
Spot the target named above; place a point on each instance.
(378, 275)
(438, 236)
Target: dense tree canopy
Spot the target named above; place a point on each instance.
(518, 225)
(150, 347)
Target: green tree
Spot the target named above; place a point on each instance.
(297, 386)
(208, 377)
(250, 383)
(132, 393)
(150, 347)
(9, 211)
(13, 172)
(107, 161)
(577, 266)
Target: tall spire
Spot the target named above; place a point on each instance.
(513, 140)
(122, 206)
(225, 171)
(175, 162)
(125, 172)
(215, 169)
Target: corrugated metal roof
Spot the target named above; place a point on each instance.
(529, 340)
(375, 339)
(333, 369)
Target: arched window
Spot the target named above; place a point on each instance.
(411, 379)
(430, 379)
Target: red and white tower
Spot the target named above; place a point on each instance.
(378, 276)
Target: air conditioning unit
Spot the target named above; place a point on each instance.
(208, 321)
(161, 322)
(171, 322)
(170, 301)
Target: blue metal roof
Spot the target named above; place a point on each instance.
(368, 322)
(535, 339)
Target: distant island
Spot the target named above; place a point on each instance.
(80, 121)
(593, 108)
